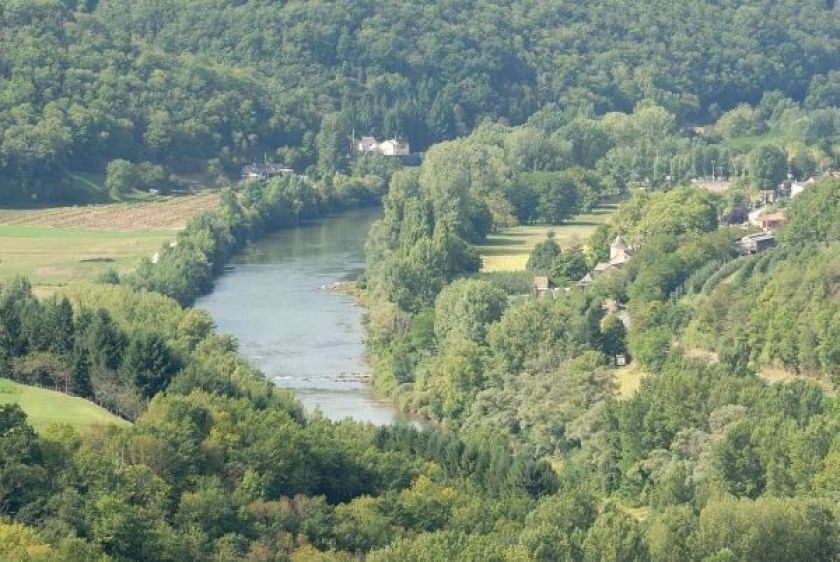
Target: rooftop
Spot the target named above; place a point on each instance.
(759, 236)
(618, 242)
(268, 168)
(773, 217)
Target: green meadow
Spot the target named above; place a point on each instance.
(56, 246)
(46, 407)
(51, 257)
(508, 249)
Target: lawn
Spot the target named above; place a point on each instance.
(508, 249)
(45, 407)
(56, 246)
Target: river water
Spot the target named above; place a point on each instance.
(304, 337)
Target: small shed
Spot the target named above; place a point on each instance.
(756, 243)
(585, 281)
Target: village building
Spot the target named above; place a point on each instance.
(585, 281)
(766, 197)
(394, 147)
(542, 286)
(603, 267)
(389, 147)
(756, 243)
(784, 187)
(264, 171)
(620, 253)
(773, 221)
(365, 144)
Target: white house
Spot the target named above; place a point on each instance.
(394, 147)
(390, 147)
(366, 144)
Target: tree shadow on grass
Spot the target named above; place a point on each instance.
(508, 240)
(505, 251)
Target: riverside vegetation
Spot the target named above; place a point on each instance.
(533, 455)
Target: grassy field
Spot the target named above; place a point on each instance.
(45, 407)
(167, 213)
(508, 249)
(56, 246)
(629, 379)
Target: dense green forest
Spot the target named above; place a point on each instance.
(528, 112)
(207, 85)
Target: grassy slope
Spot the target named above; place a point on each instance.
(508, 250)
(45, 407)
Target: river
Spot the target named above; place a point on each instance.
(302, 336)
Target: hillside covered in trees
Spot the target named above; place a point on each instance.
(706, 456)
(528, 112)
(208, 85)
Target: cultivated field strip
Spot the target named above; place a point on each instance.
(171, 213)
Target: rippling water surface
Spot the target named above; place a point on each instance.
(272, 298)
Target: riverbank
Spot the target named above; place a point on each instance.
(185, 269)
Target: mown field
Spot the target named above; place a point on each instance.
(59, 245)
(46, 407)
(508, 249)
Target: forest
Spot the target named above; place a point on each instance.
(205, 86)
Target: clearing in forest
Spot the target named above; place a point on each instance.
(59, 245)
(628, 379)
(508, 249)
(45, 407)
